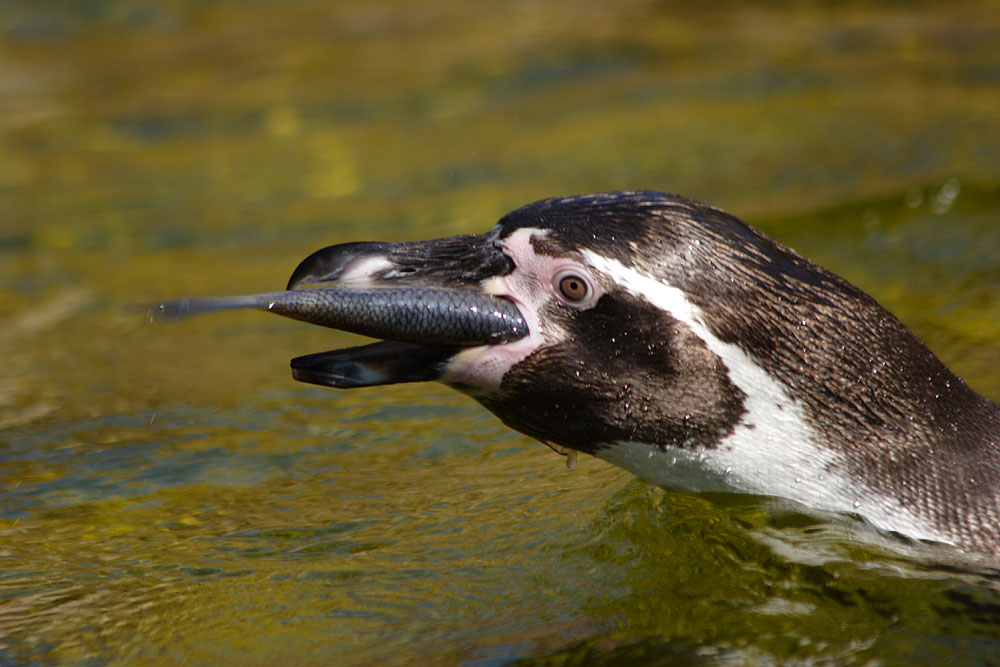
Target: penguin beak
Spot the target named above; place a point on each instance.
(416, 277)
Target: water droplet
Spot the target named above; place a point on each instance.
(945, 197)
(571, 459)
(914, 197)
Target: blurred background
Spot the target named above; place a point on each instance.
(168, 494)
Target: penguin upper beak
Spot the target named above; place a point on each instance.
(417, 275)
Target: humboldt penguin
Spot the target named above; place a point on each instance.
(674, 340)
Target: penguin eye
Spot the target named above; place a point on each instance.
(573, 287)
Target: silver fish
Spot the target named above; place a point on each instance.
(461, 317)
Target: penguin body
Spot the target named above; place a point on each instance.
(676, 341)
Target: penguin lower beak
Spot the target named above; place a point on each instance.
(456, 266)
(386, 362)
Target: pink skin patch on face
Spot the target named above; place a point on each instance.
(530, 286)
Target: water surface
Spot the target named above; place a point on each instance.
(170, 495)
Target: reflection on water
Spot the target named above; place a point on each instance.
(170, 494)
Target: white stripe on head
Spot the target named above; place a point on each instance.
(772, 451)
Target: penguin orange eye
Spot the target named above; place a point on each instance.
(573, 287)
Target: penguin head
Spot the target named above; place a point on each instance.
(605, 361)
(624, 294)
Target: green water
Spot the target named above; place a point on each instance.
(169, 495)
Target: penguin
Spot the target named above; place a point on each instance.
(674, 340)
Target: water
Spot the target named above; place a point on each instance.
(168, 494)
